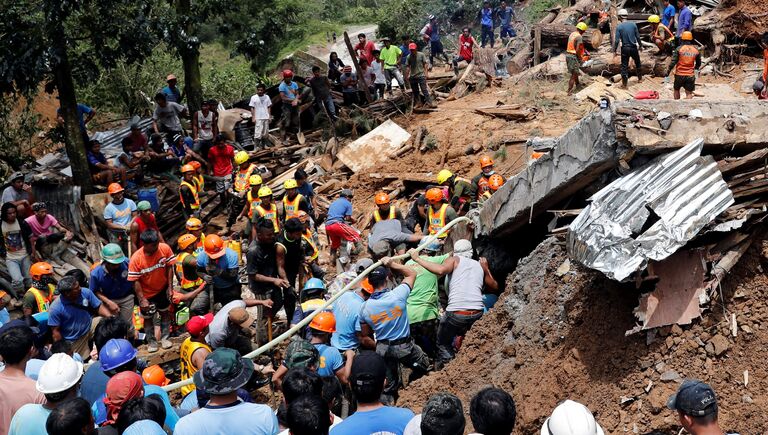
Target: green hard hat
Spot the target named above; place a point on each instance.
(112, 253)
(144, 205)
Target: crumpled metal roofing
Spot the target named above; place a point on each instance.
(650, 213)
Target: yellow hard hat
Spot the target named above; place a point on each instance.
(241, 157)
(265, 191)
(290, 184)
(443, 176)
(255, 180)
(654, 19)
(687, 36)
(582, 26)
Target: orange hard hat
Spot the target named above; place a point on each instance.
(187, 168)
(39, 269)
(381, 198)
(485, 161)
(495, 182)
(114, 188)
(214, 246)
(686, 36)
(195, 164)
(366, 285)
(154, 375)
(325, 322)
(185, 240)
(434, 194)
(302, 215)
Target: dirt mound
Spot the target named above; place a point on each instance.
(551, 338)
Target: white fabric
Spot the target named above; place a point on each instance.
(205, 125)
(465, 289)
(261, 104)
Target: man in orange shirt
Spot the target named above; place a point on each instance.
(686, 62)
(151, 270)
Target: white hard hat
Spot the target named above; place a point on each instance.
(571, 418)
(623, 13)
(59, 373)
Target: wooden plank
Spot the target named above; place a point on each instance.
(753, 158)
(360, 78)
(536, 45)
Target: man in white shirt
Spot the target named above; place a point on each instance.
(261, 111)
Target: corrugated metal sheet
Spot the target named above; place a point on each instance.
(111, 139)
(61, 202)
(650, 213)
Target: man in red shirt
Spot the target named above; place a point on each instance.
(144, 221)
(220, 157)
(364, 48)
(466, 44)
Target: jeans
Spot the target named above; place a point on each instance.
(628, 52)
(393, 73)
(419, 87)
(409, 354)
(19, 271)
(451, 326)
(456, 60)
(507, 31)
(486, 34)
(425, 335)
(329, 106)
(350, 98)
(436, 49)
(201, 304)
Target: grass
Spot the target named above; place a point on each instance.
(538, 8)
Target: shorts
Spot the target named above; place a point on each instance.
(572, 62)
(161, 301)
(338, 231)
(223, 184)
(686, 82)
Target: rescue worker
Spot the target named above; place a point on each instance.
(266, 210)
(337, 229)
(290, 255)
(346, 309)
(195, 227)
(194, 349)
(480, 182)
(144, 221)
(293, 201)
(309, 245)
(384, 316)
(460, 190)
(218, 266)
(384, 209)
(439, 214)
(241, 177)
(109, 282)
(155, 375)
(661, 35)
(188, 196)
(423, 302)
(311, 298)
(686, 62)
(574, 55)
(188, 278)
(39, 297)
(252, 200)
(199, 180)
(494, 184)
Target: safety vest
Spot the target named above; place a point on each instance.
(185, 283)
(437, 220)
(572, 44)
(661, 30)
(292, 207)
(377, 214)
(188, 370)
(253, 202)
(487, 194)
(686, 60)
(482, 186)
(201, 240)
(199, 182)
(43, 302)
(307, 237)
(242, 179)
(195, 205)
(270, 214)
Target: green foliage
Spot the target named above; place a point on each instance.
(398, 18)
(18, 127)
(536, 9)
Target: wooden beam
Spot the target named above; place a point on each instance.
(536, 44)
(360, 78)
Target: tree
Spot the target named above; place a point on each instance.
(63, 42)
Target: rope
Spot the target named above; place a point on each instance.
(294, 329)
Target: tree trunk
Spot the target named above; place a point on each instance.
(520, 60)
(74, 141)
(190, 57)
(606, 64)
(556, 35)
(361, 82)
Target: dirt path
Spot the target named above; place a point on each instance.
(323, 51)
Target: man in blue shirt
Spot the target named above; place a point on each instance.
(331, 363)
(118, 215)
(369, 372)
(84, 115)
(346, 311)
(171, 92)
(289, 96)
(506, 15)
(218, 266)
(305, 189)
(628, 36)
(69, 316)
(109, 282)
(486, 24)
(337, 229)
(684, 21)
(384, 315)
(668, 15)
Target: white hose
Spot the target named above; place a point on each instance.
(294, 329)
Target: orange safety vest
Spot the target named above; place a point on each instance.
(270, 214)
(437, 220)
(377, 214)
(252, 203)
(242, 178)
(292, 207)
(195, 205)
(188, 370)
(43, 302)
(185, 283)
(572, 44)
(661, 30)
(199, 182)
(482, 186)
(686, 60)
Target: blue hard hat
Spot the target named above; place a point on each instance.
(115, 353)
(314, 283)
(189, 142)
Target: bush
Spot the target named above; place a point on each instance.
(18, 129)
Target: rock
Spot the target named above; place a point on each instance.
(564, 268)
(644, 364)
(699, 342)
(661, 366)
(705, 336)
(746, 398)
(670, 375)
(710, 348)
(670, 342)
(676, 330)
(720, 344)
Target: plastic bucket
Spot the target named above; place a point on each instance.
(149, 194)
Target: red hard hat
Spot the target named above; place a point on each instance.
(287, 73)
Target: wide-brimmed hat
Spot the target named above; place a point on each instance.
(223, 372)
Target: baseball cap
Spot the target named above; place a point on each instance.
(368, 368)
(170, 77)
(144, 205)
(378, 275)
(346, 193)
(412, 46)
(223, 372)
(694, 398)
(241, 317)
(301, 354)
(362, 264)
(197, 324)
(380, 248)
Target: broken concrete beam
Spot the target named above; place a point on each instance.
(578, 158)
(732, 123)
